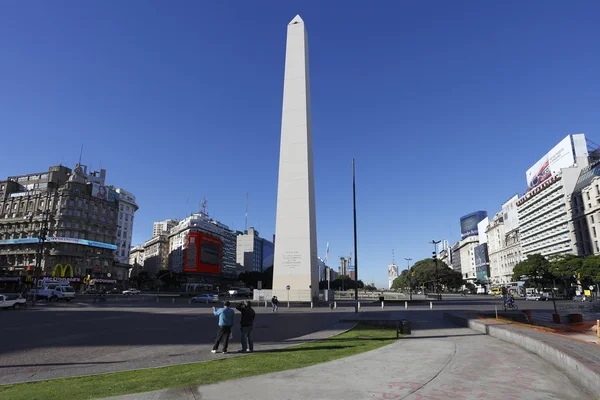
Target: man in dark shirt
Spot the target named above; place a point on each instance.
(246, 324)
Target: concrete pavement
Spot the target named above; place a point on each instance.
(439, 361)
(66, 341)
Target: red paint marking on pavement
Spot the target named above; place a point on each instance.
(447, 394)
(421, 397)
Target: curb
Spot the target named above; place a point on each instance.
(576, 370)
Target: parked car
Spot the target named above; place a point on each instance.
(114, 291)
(131, 292)
(11, 302)
(534, 297)
(204, 298)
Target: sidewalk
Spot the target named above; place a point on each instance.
(578, 359)
(431, 364)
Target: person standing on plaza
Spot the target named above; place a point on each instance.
(225, 315)
(247, 323)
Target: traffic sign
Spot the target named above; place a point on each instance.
(288, 287)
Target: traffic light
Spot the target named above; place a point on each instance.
(434, 256)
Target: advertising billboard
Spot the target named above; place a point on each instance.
(202, 253)
(480, 254)
(468, 223)
(104, 193)
(60, 240)
(561, 156)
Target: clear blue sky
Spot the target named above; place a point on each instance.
(443, 104)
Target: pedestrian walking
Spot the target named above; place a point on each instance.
(246, 325)
(225, 315)
(275, 303)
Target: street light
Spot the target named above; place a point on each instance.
(437, 276)
(408, 260)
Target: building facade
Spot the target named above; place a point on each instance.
(585, 211)
(81, 221)
(253, 252)
(136, 260)
(201, 222)
(127, 209)
(455, 261)
(545, 215)
(504, 246)
(344, 264)
(466, 247)
(164, 227)
(156, 255)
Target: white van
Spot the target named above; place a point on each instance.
(63, 292)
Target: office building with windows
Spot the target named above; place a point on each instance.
(81, 220)
(253, 252)
(127, 209)
(504, 246)
(202, 223)
(164, 227)
(585, 210)
(545, 211)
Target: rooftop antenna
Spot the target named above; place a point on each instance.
(80, 154)
(62, 160)
(246, 226)
(393, 257)
(203, 205)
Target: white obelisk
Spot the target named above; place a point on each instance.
(296, 270)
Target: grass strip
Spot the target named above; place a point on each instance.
(358, 340)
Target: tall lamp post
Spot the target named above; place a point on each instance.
(437, 276)
(408, 260)
(355, 242)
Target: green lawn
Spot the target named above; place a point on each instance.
(358, 340)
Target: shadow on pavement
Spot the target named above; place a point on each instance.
(60, 364)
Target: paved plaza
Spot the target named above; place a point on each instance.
(83, 338)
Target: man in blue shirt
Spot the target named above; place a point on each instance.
(225, 323)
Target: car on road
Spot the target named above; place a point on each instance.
(11, 302)
(131, 292)
(204, 298)
(534, 297)
(63, 292)
(114, 291)
(582, 297)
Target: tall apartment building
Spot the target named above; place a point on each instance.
(504, 246)
(136, 260)
(585, 210)
(156, 255)
(81, 220)
(164, 227)
(127, 209)
(466, 248)
(253, 252)
(344, 264)
(545, 220)
(455, 261)
(201, 222)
